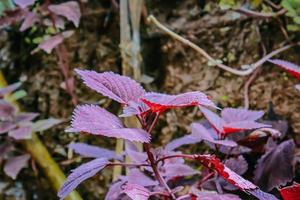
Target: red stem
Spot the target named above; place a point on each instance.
(152, 161)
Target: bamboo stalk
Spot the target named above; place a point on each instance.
(40, 154)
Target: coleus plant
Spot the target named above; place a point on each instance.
(152, 173)
(15, 127)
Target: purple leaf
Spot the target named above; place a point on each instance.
(174, 144)
(6, 126)
(136, 192)
(4, 150)
(93, 151)
(9, 89)
(114, 192)
(262, 195)
(80, 174)
(177, 170)
(288, 66)
(135, 176)
(69, 10)
(23, 132)
(200, 132)
(24, 3)
(240, 114)
(44, 124)
(49, 44)
(6, 110)
(297, 87)
(216, 121)
(275, 167)
(25, 117)
(206, 195)
(160, 102)
(30, 19)
(91, 118)
(243, 125)
(239, 165)
(119, 88)
(14, 165)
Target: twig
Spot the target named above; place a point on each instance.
(260, 14)
(238, 72)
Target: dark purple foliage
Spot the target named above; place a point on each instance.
(136, 192)
(275, 167)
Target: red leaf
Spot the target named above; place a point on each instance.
(160, 102)
(288, 66)
(119, 88)
(291, 192)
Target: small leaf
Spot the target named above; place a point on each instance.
(24, 3)
(115, 190)
(30, 19)
(96, 120)
(136, 192)
(119, 88)
(80, 174)
(14, 165)
(6, 126)
(25, 117)
(93, 151)
(207, 195)
(177, 170)
(135, 176)
(9, 89)
(44, 124)
(19, 94)
(23, 132)
(239, 165)
(240, 114)
(69, 10)
(6, 110)
(49, 44)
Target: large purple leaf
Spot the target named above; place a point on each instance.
(240, 114)
(136, 192)
(24, 3)
(6, 126)
(49, 44)
(96, 120)
(80, 174)
(119, 88)
(275, 167)
(30, 19)
(288, 66)
(21, 133)
(6, 110)
(135, 176)
(93, 151)
(200, 132)
(69, 10)
(160, 102)
(9, 89)
(14, 165)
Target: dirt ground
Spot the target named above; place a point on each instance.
(234, 38)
